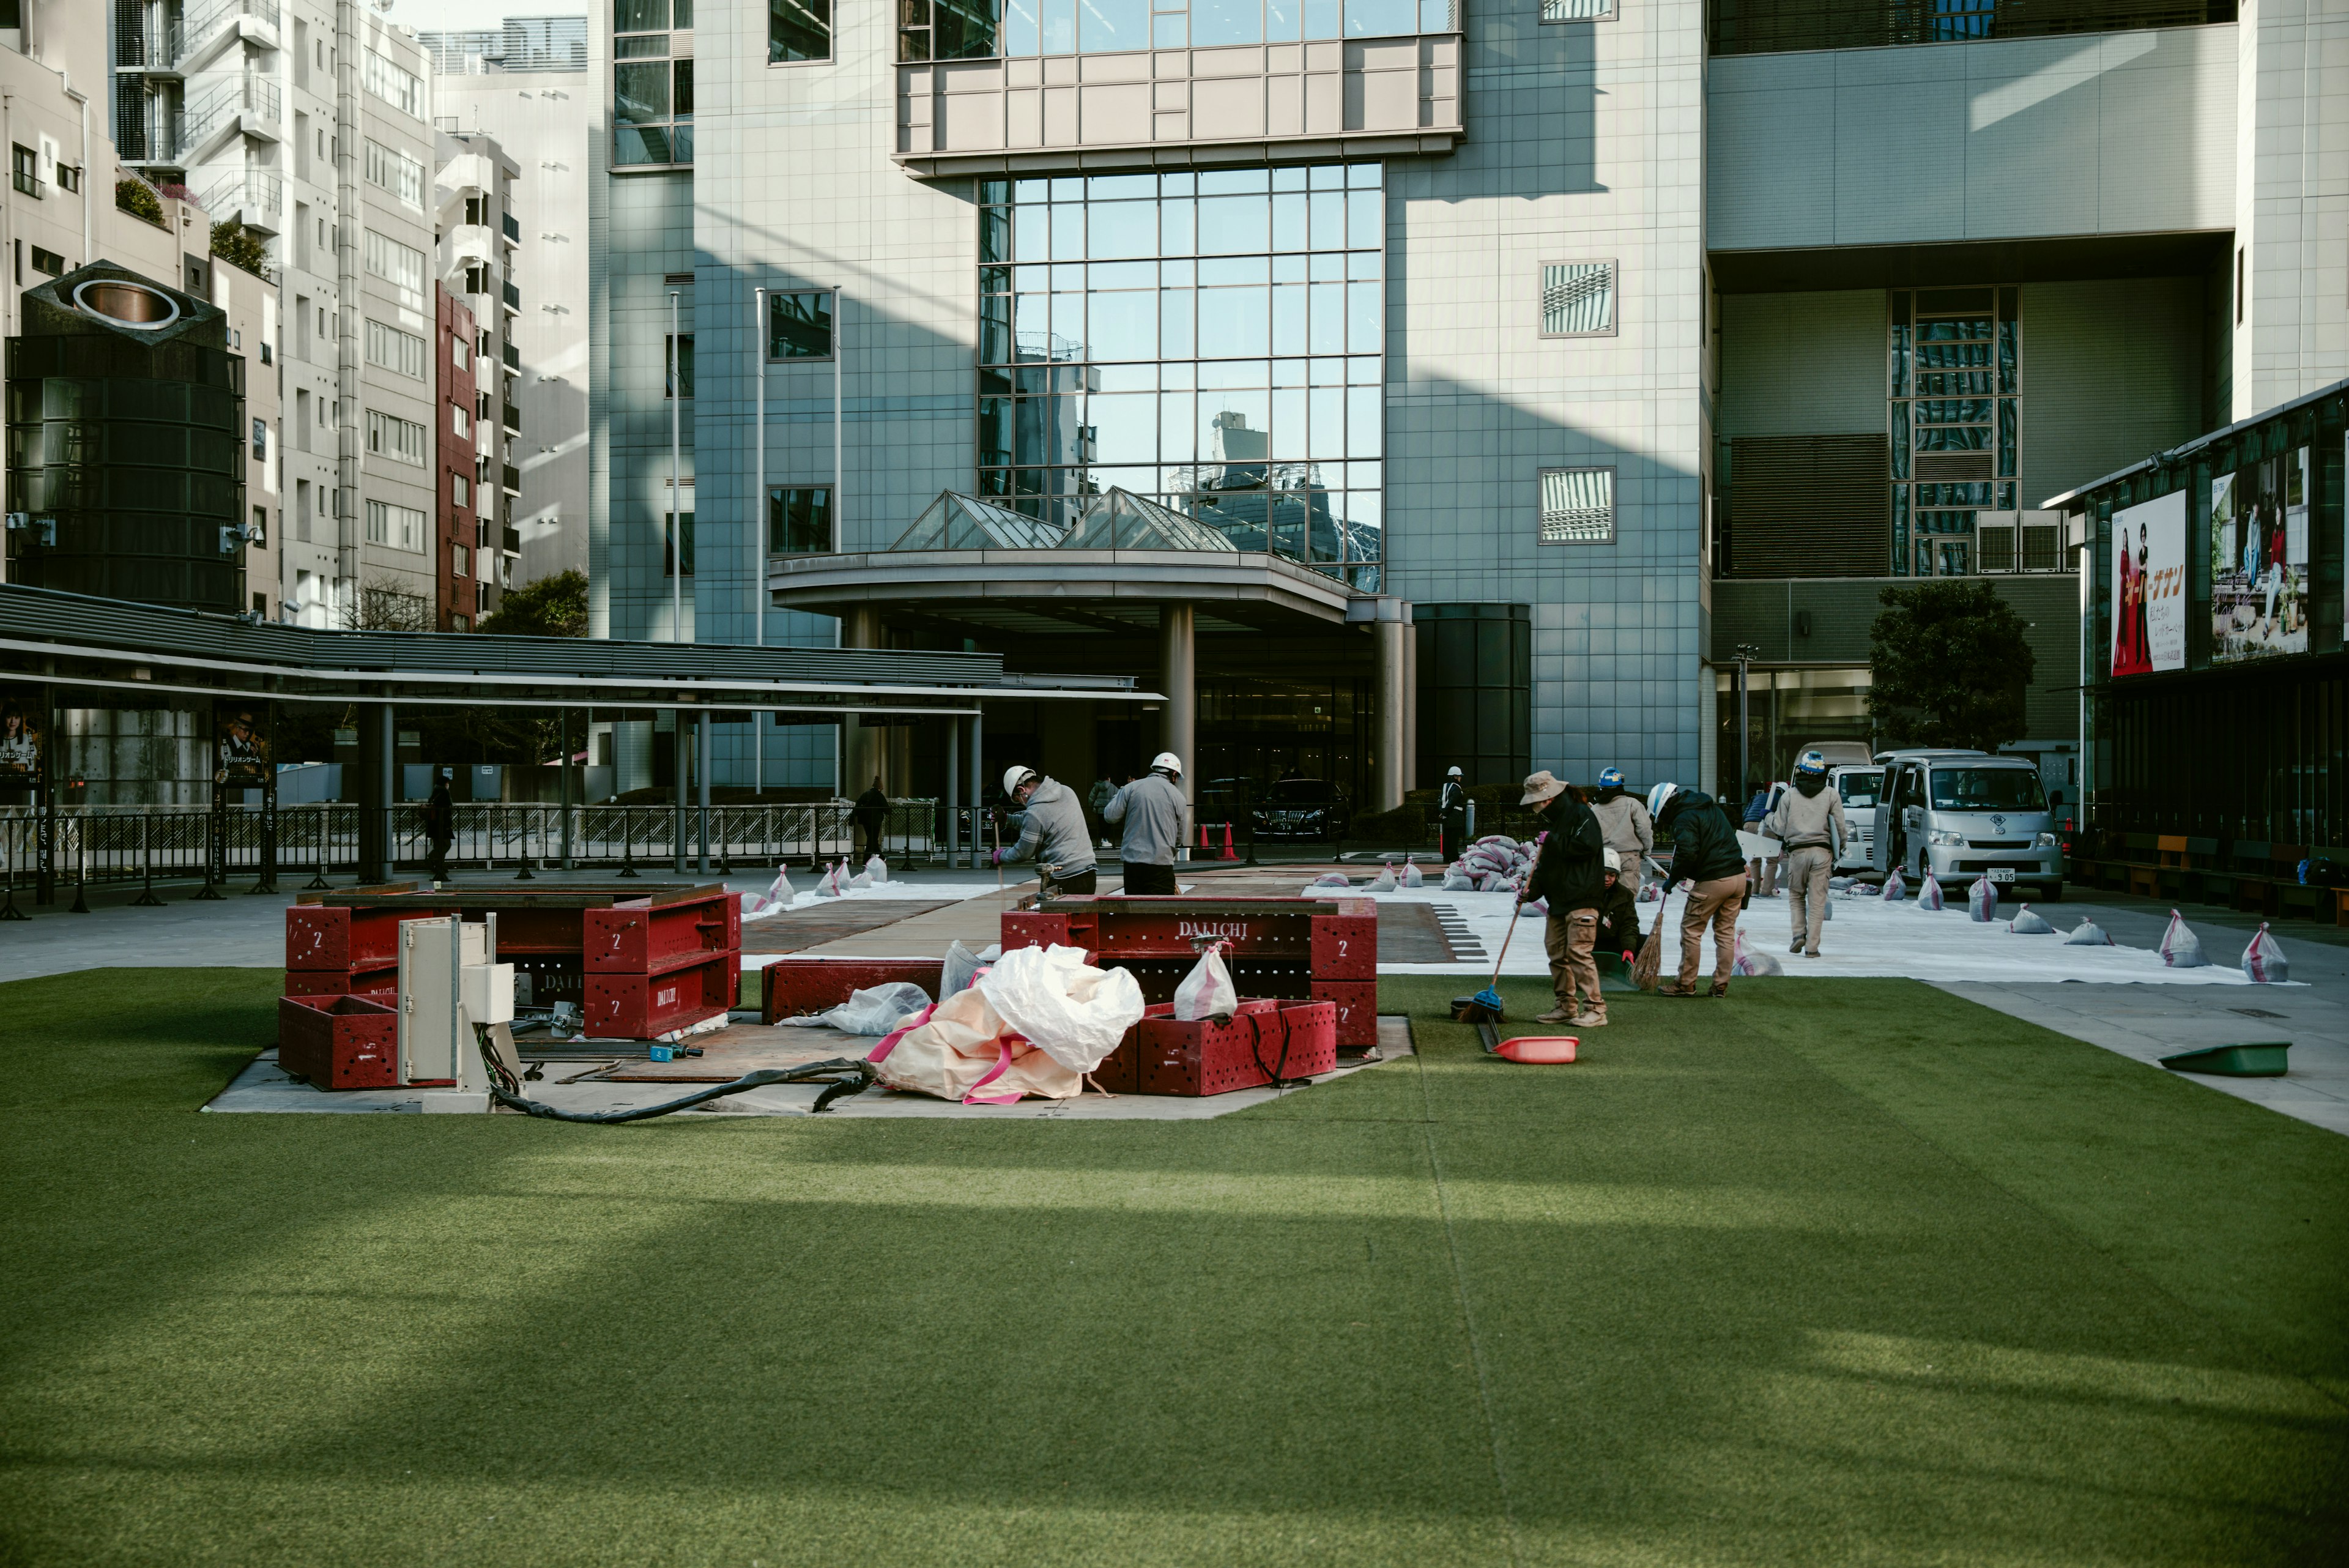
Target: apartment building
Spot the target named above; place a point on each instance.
(460, 597)
(474, 188)
(309, 123)
(526, 86)
(251, 301)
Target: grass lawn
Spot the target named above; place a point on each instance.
(1834, 1272)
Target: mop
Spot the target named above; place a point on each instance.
(1484, 1007)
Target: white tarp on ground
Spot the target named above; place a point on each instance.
(1867, 938)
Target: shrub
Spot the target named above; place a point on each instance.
(137, 198)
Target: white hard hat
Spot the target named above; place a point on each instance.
(1658, 795)
(1452, 773)
(1015, 775)
(1614, 861)
(1169, 761)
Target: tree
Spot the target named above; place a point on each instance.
(551, 606)
(384, 604)
(240, 246)
(1950, 666)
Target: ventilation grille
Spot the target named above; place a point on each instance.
(1952, 467)
(1809, 506)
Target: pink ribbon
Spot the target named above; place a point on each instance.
(889, 1041)
(1002, 1064)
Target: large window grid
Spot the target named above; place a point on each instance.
(982, 29)
(652, 82)
(1955, 380)
(1212, 341)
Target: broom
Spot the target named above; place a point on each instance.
(1651, 951)
(1484, 1007)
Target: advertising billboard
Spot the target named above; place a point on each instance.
(23, 714)
(2148, 595)
(2258, 559)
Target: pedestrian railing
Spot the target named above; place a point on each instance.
(318, 841)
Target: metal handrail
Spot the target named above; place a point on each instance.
(196, 31)
(246, 93)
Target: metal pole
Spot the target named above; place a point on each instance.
(701, 784)
(954, 792)
(839, 472)
(147, 900)
(1744, 734)
(678, 769)
(759, 519)
(563, 734)
(676, 482)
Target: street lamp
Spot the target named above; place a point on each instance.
(1746, 654)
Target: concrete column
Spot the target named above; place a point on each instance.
(864, 748)
(1389, 715)
(954, 792)
(1179, 677)
(679, 771)
(1410, 708)
(375, 793)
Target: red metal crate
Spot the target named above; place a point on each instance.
(1346, 946)
(1312, 1039)
(794, 987)
(320, 937)
(642, 937)
(641, 1006)
(1031, 928)
(376, 984)
(1212, 1057)
(338, 1042)
(1358, 1011)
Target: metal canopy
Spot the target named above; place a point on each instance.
(76, 639)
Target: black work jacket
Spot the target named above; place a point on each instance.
(1704, 841)
(1569, 873)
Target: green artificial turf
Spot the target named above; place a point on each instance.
(1832, 1272)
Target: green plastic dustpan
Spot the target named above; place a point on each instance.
(2264, 1059)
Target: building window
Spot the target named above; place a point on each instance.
(678, 376)
(798, 326)
(947, 29)
(399, 527)
(260, 537)
(1577, 506)
(668, 535)
(265, 357)
(1578, 299)
(396, 173)
(26, 165)
(461, 489)
(397, 87)
(800, 30)
(459, 421)
(391, 350)
(399, 266)
(1212, 341)
(68, 176)
(460, 559)
(398, 439)
(1128, 24)
(1578, 10)
(799, 519)
(652, 91)
(1956, 411)
(260, 441)
(460, 356)
(48, 260)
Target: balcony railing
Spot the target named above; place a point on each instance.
(152, 45)
(514, 229)
(224, 100)
(512, 296)
(511, 417)
(512, 477)
(510, 355)
(200, 30)
(252, 191)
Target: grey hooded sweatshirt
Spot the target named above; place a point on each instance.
(1055, 833)
(1151, 808)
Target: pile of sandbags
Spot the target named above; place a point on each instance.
(1494, 864)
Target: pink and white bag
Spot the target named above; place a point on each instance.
(2181, 947)
(1928, 897)
(2263, 961)
(1982, 900)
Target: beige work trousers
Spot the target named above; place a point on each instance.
(1570, 937)
(1714, 904)
(1806, 892)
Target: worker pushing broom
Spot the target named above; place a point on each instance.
(1567, 872)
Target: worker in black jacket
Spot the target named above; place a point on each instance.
(1707, 859)
(1619, 911)
(1568, 874)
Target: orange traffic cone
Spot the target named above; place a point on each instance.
(1228, 852)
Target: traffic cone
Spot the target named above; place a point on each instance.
(1228, 853)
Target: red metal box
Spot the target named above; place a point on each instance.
(1212, 1057)
(375, 984)
(1358, 1011)
(1346, 946)
(794, 987)
(339, 1042)
(320, 937)
(1031, 929)
(643, 938)
(1312, 1039)
(642, 1006)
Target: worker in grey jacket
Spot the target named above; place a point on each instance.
(1625, 827)
(1055, 836)
(1151, 808)
(1808, 820)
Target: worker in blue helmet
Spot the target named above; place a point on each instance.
(1808, 820)
(1625, 826)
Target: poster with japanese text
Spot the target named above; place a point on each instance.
(2150, 587)
(2258, 559)
(22, 733)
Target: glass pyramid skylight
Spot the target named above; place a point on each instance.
(1121, 520)
(958, 522)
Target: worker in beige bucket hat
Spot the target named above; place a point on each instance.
(1567, 873)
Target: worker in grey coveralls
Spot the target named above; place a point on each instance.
(1625, 827)
(1151, 809)
(1809, 821)
(1055, 836)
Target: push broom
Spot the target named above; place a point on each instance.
(1484, 1007)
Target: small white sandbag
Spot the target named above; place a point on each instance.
(1384, 882)
(2027, 924)
(1894, 889)
(1456, 878)
(1982, 900)
(1928, 897)
(1410, 876)
(2181, 947)
(876, 869)
(1208, 992)
(1752, 960)
(2263, 961)
(2089, 935)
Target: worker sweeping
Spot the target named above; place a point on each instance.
(1707, 860)
(1567, 874)
(1809, 821)
(1150, 810)
(1624, 826)
(1054, 834)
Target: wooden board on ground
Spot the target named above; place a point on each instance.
(798, 929)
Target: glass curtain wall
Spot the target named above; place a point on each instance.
(979, 29)
(1956, 372)
(1213, 340)
(652, 83)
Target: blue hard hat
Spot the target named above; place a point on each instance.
(1610, 778)
(1810, 762)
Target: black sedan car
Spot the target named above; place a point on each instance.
(1302, 808)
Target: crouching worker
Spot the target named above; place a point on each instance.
(1567, 873)
(1809, 821)
(1706, 856)
(1619, 911)
(1055, 836)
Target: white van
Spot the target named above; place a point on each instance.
(1859, 786)
(1967, 814)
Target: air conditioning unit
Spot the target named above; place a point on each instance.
(2008, 542)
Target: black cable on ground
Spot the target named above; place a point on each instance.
(858, 1076)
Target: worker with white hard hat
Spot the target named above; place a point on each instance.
(1151, 809)
(1452, 812)
(1055, 836)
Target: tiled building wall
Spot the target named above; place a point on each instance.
(1586, 143)
(2290, 197)
(651, 237)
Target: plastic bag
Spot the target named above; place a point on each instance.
(1539, 907)
(774, 901)
(873, 1012)
(1456, 878)
(2026, 924)
(1384, 882)
(1928, 897)
(962, 965)
(2263, 961)
(878, 870)
(1752, 960)
(1982, 900)
(1653, 893)
(862, 879)
(1410, 876)
(1208, 992)
(963, 1050)
(2181, 947)
(1072, 1011)
(2089, 935)
(1330, 879)
(828, 886)
(1894, 889)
